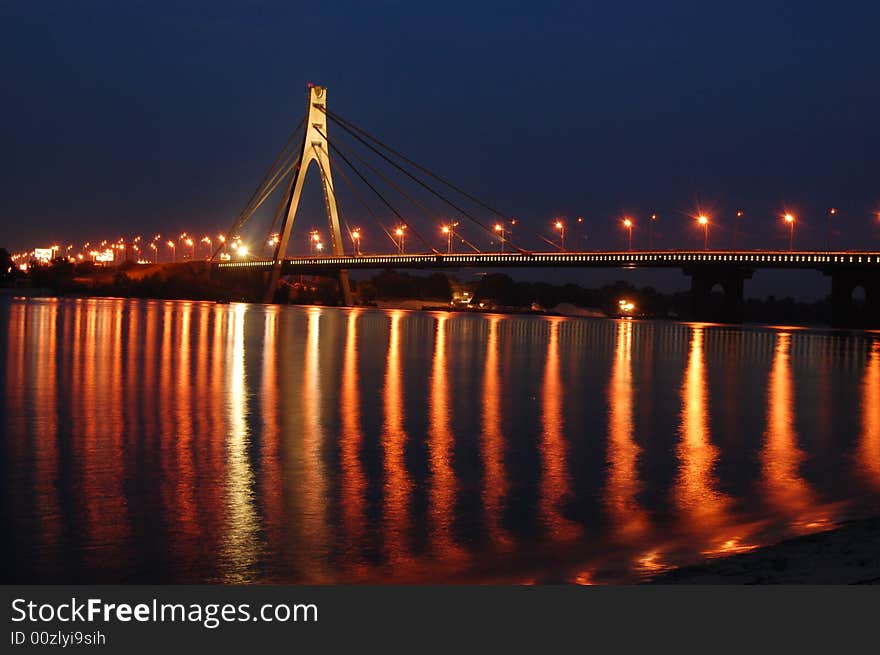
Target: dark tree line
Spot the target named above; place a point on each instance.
(196, 282)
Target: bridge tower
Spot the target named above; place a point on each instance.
(314, 149)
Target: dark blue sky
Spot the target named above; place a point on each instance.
(117, 116)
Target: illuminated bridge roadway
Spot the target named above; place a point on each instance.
(709, 270)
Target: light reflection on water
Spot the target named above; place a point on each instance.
(191, 442)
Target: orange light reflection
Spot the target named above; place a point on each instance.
(786, 490)
(492, 443)
(397, 480)
(868, 453)
(555, 484)
(441, 498)
(621, 498)
(703, 508)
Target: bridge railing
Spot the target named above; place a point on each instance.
(646, 258)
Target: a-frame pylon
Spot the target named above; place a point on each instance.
(314, 148)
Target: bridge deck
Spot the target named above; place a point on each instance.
(596, 259)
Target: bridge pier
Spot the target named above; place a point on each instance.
(344, 287)
(731, 280)
(846, 312)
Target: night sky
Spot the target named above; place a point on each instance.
(121, 118)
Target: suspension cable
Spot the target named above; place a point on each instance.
(325, 179)
(272, 173)
(351, 128)
(379, 194)
(410, 175)
(427, 212)
(360, 199)
(282, 203)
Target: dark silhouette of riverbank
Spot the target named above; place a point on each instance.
(496, 292)
(849, 554)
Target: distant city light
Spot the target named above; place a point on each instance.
(43, 255)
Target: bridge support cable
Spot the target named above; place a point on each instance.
(281, 165)
(418, 205)
(282, 202)
(385, 202)
(276, 180)
(351, 187)
(361, 135)
(416, 179)
(349, 126)
(330, 191)
(283, 156)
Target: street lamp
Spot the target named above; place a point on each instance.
(356, 239)
(739, 215)
(559, 225)
(499, 227)
(173, 250)
(831, 214)
(790, 219)
(314, 238)
(192, 245)
(581, 234)
(449, 231)
(651, 232)
(155, 252)
(703, 220)
(401, 234)
(628, 224)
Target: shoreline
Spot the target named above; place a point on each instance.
(847, 554)
(423, 307)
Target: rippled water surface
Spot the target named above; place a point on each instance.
(192, 442)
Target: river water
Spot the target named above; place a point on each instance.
(160, 441)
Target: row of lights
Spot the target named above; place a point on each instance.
(702, 221)
(105, 250)
(448, 231)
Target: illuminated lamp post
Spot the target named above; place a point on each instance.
(356, 240)
(449, 231)
(559, 225)
(739, 215)
(790, 219)
(500, 229)
(831, 214)
(703, 220)
(628, 224)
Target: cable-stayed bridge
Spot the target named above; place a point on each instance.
(710, 270)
